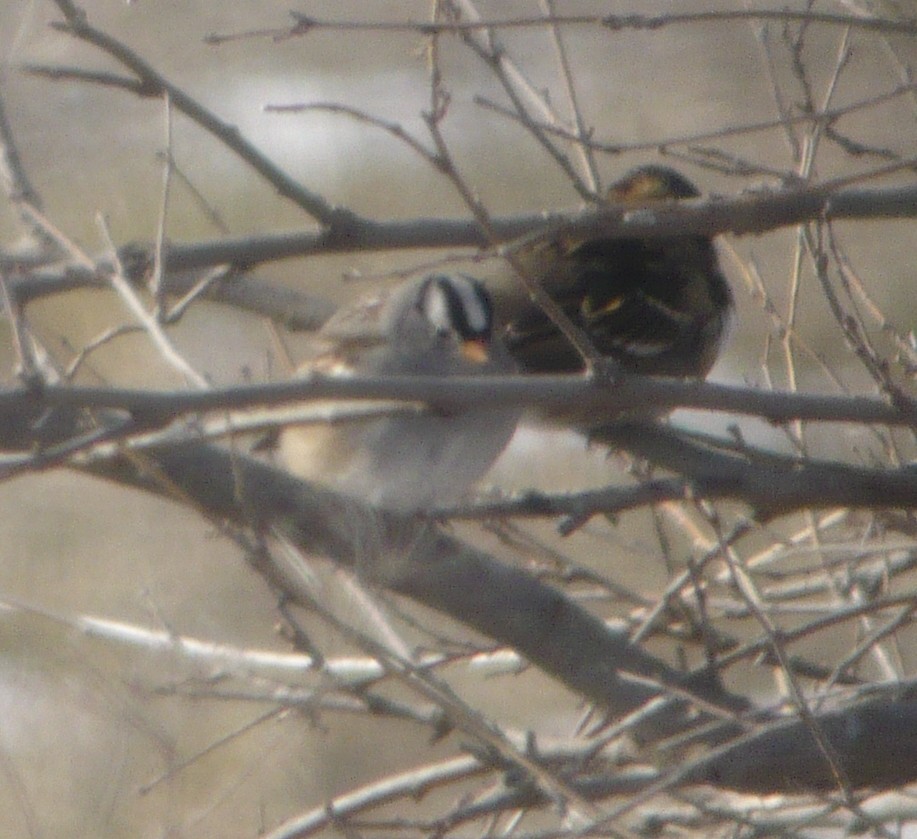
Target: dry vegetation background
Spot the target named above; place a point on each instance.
(104, 734)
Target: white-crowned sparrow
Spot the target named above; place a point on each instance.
(657, 306)
(440, 325)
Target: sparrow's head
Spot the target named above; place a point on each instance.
(457, 306)
(651, 183)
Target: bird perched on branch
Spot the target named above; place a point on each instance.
(657, 306)
(441, 325)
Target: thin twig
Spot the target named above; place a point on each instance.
(19, 188)
(154, 83)
(148, 320)
(462, 716)
(521, 92)
(26, 368)
(159, 247)
(409, 785)
(746, 587)
(393, 128)
(306, 25)
(106, 337)
(587, 159)
(669, 141)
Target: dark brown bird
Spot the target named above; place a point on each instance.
(657, 306)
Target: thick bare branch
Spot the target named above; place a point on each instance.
(608, 399)
(538, 621)
(416, 559)
(299, 310)
(748, 213)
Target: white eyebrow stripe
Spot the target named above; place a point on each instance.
(436, 307)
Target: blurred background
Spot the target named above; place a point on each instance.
(96, 735)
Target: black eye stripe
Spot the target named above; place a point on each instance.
(477, 310)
